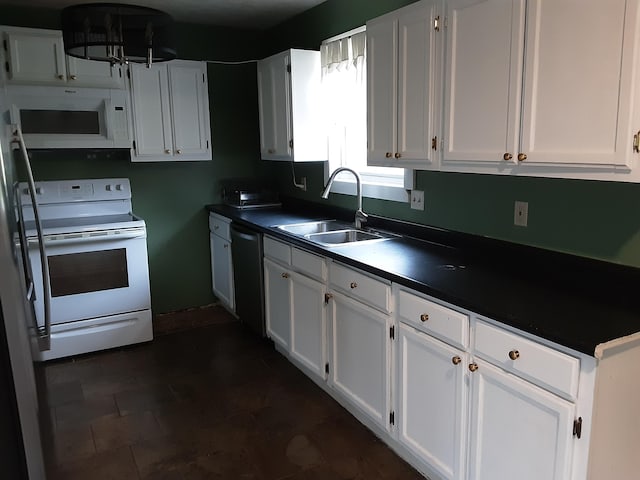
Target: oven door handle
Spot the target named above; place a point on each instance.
(44, 332)
(90, 237)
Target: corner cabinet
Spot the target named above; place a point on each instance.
(290, 107)
(221, 261)
(528, 90)
(36, 57)
(170, 104)
(404, 51)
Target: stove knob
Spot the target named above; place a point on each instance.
(108, 188)
(119, 187)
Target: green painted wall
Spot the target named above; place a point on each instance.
(171, 196)
(588, 218)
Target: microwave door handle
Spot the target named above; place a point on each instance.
(44, 332)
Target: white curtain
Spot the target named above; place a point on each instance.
(345, 97)
(344, 82)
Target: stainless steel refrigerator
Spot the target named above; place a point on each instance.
(20, 437)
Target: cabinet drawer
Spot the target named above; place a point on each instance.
(276, 250)
(309, 264)
(549, 368)
(369, 290)
(219, 225)
(437, 320)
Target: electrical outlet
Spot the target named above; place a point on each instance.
(417, 199)
(521, 213)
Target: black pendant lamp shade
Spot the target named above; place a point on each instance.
(118, 33)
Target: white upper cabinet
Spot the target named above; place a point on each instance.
(171, 111)
(290, 107)
(36, 56)
(403, 51)
(552, 99)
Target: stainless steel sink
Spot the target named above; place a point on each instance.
(332, 233)
(344, 236)
(310, 228)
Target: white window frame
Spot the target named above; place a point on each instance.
(373, 185)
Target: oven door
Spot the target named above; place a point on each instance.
(93, 274)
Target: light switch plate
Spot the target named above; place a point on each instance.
(417, 199)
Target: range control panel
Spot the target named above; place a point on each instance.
(70, 191)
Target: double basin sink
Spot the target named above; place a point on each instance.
(332, 233)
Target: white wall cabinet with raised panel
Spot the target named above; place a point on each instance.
(552, 99)
(290, 107)
(170, 104)
(36, 56)
(404, 51)
(221, 263)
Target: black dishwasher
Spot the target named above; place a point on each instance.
(246, 255)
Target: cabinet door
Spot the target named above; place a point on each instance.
(308, 323)
(277, 294)
(189, 110)
(360, 351)
(382, 47)
(274, 94)
(483, 80)
(36, 56)
(151, 111)
(433, 401)
(417, 85)
(222, 270)
(89, 73)
(517, 429)
(578, 80)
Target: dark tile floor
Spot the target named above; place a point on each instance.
(214, 402)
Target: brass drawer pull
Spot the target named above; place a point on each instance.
(285, 275)
(456, 360)
(514, 354)
(473, 367)
(424, 317)
(353, 285)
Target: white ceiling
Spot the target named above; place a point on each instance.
(254, 14)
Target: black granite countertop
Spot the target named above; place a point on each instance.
(570, 300)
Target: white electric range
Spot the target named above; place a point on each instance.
(98, 272)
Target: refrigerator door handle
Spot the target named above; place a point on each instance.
(44, 332)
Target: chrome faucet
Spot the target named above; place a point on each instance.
(361, 217)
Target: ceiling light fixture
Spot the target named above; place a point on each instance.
(118, 33)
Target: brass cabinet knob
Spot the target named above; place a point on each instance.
(473, 367)
(179, 151)
(353, 285)
(73, 77)
(60, 77)
(398, 155)
(271, 151)
(388, 155)
(507, 156)
(285, 275)
(424, 317)
(167, 151)
(514, 354)
(226, 245)
(456, 360)
(522, 157)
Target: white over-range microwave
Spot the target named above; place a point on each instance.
(61, 117)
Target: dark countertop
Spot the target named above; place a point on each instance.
(570, 300)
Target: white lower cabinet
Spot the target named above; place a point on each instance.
(518, 430)
(221, 262)
(308, 323)
(277, 289)
(295, 304)
(360, 357)
(432, 401)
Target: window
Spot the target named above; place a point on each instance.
(344, 89)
